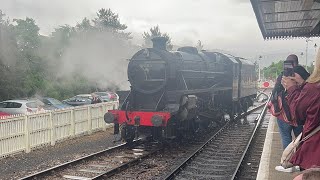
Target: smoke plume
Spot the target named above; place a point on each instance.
(101, 57)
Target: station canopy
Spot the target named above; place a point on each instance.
(284, 19)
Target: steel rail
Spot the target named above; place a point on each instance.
(259, 120)
(126, 165)
(59, 167)
(174, 172)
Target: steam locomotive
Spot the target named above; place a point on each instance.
(174, 93)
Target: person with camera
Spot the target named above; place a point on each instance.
(286, 128)
(304, 101)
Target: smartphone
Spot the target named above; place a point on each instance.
(288, 68)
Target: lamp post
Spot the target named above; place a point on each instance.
(307, 41)
(315, 50)
(259, 71)
(301, 54)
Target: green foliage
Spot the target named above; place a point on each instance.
(2, 15)
(155, 32)
(27, 34)
(85, 25)
(108, 19)
(273, 70)
(29, 61)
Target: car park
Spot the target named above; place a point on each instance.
(114, 96)
(79, 100)
(107, 96)
(51, 103)
(21, 106)
(103, 96)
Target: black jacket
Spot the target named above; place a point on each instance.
(297, 69)
(279, 91)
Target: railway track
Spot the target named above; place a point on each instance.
(250, 166)
(101, 164)
(213, 160)
(222, 155)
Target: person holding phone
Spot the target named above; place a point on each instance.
(291, 65)
(304, 102)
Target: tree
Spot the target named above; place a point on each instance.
(155, 32)
(273, 70)
(199, 45)
(8, 55)
(62, 36)
(2, 15)
(30, 62)
(106, 19)
(30, 67)
(27, 33)
(109, 21)
(85, 25)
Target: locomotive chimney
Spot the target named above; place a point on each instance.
(159, 43)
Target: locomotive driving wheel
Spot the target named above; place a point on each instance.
(127, 133)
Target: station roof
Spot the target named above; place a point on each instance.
(282, 19)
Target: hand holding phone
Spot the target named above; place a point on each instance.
(288, 68)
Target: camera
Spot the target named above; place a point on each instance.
(288, 68)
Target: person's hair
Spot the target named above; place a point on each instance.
(293, 58)
(311, 174)
(315, 76)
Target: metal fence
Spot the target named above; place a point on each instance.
(20, 133)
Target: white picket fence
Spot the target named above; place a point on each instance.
(26, 132)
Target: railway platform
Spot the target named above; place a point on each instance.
(271, 155)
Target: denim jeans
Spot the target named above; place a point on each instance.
(285, 132)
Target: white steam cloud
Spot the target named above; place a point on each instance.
(101, 57)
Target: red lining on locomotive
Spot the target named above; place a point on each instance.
(145, 117)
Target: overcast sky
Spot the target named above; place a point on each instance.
(230, 25)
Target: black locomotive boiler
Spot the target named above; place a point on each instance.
(174, 93)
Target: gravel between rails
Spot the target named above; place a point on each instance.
(157, 166)
(23, 164)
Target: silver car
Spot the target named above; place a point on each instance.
(79, 100)
(21, 106)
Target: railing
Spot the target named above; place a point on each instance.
(20, 133)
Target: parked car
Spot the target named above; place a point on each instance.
(103, 96)
(21, 106)
(79, 100)
(107, 96)
(3, 114)
(51, 103)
